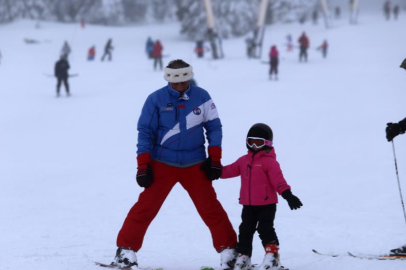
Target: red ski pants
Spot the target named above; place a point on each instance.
(200, 190)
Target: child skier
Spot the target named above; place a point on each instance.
(323, 48)
(261, 180)
(91, 53)
(274, 61)
(289, 43)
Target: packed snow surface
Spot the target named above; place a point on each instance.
(68, 165)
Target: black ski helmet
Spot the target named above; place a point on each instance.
(261, 130)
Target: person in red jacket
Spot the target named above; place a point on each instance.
(274, 61)
(261, 181)
(304, 45)
(91, 53)
(157, 54)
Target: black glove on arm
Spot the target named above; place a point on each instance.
(293, 201)
(145, 177)
(212, 169)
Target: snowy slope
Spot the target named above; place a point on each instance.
(67, 165)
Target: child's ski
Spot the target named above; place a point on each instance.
(123, 268)
(325, 254)
(251, 267)
(362, 256)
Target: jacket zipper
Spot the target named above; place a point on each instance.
(249, 184)
(249, 181)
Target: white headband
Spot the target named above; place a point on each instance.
(176, 75)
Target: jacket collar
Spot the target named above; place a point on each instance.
(262, 153)
(177, 95)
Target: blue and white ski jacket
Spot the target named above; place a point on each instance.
(170, 127)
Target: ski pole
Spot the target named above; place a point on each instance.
(397, 175)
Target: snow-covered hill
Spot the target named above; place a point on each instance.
(67, 165)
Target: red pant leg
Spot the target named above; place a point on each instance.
(204, 197)
(146, 208)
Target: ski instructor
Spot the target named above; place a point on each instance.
(171, 149)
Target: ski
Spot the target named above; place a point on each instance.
(123, 268)
(376, 257)
(325, 254)
(362, 256)
(251, 267)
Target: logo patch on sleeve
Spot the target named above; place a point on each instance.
(197, 111)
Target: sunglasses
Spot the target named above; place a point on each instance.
(258, 142)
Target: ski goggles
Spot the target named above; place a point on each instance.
(258, 142)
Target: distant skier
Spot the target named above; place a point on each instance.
(250, 44)
(396, 12)
(315, 17)
(199, 50)
(66, 50)
(323, 48)
(149, 47)
(302, 19)
(82, 23)
(174, 124)
(261, 182)
(107, 50)
(0, 57)
(61, 73)
(157, 54)
(193, 82)
(289, 43)
(337, 12)
(387, 9)
(91, 54)
(304, 46)
(274, 62)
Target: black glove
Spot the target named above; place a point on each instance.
(145, 177)
(212, 169)
(393, 130)
(293, 201)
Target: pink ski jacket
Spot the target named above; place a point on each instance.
(261, 178)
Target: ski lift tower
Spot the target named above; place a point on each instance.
(354, 11)
(326, 13)
(260, 29)
(215, 42)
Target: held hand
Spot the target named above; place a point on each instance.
(293, 201)
(212, 169)
(145, 177)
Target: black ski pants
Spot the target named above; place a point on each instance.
(303, 53)
(65, 82)
(274, 66)
(158, 60)
(106, 53)
(256, 218)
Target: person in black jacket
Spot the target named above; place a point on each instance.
(61, 73)
(107, 50)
